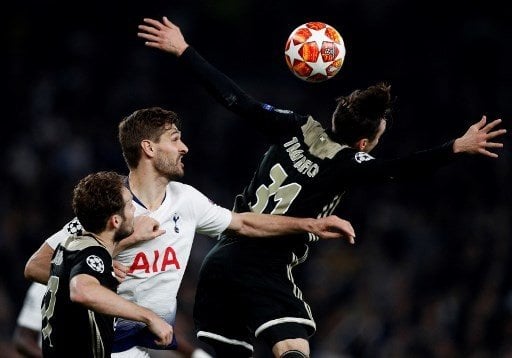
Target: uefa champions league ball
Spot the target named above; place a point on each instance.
(315, 51)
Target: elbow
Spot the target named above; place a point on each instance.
(79, 297)
(29, 271)
(33, 273)
(78, 293)
(243, 225)
(82, 291)
(37, 268)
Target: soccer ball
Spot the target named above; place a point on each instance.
(315, 51)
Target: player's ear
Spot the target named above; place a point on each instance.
(115, 220)
(147, 147)
(361, 144)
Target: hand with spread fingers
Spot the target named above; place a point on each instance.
(163, 35)
(477, 139)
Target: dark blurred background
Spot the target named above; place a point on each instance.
(430, 274)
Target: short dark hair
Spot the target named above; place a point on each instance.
(96, 198)
(358, 115)
(146, 123)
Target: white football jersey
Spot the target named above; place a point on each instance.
(156, 267)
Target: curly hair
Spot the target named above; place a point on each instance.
(358, 115)
(96, 198)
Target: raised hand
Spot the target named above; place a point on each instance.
(163, 35)
(477, 138)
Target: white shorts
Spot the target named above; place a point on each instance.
(134, 352)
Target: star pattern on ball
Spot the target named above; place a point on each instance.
(319, 67)
(293, 52)
(318, 36)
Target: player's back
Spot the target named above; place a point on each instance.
(69, 329)
(300, 175)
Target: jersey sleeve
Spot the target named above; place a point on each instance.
(73, 227)
(94, 261)
(361, 167)
(271, 121)
(211, 219)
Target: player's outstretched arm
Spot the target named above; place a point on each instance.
(166, 36)
(266, 225)
(478, 138)
(163, 35)
(87, 290)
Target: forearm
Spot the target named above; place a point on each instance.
(221, 87)
(426, 161)
(88, 291)
(113, 304)
(413, 165)
(265, 225)
(123, 244)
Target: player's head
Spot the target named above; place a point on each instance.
(100, 198)
(359, 119)
(152, 134)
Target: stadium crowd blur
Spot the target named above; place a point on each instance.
(430, 274)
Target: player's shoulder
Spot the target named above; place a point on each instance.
(361, 157)
(355, 156)
(185, 194)
(177, 187)
(81, 242)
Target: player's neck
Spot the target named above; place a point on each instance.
(106, 239)
(147, 188)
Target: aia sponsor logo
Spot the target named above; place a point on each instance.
(157, 261)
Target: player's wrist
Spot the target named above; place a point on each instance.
(457, 146)
(149, 317)
(181, 48)
(311, 225)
